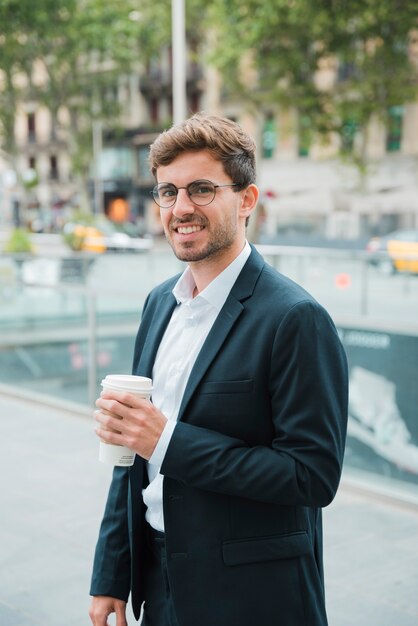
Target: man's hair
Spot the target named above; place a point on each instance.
(224, 139)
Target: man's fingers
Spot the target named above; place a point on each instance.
(120, 611)
(102, 606)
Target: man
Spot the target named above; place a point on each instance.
(218, 522)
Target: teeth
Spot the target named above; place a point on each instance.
(186, 230)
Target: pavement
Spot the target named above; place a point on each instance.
(53, 491)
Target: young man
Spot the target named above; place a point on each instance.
(218, 522)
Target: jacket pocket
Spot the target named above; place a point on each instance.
(240, 551)
(224, 400)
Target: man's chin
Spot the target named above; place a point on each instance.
(188, 252)
(189, 256)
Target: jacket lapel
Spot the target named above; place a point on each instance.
(227, 318)
(155, 332)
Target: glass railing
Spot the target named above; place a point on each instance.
(67, 322)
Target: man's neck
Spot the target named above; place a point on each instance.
(205, 271)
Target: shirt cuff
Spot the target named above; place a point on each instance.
(160, 449)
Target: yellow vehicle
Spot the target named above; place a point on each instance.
(84, 238)
(395, 252)
(91, 239)
(105, 236)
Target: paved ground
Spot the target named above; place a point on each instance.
(52, 495)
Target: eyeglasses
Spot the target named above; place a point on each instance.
(200, 192)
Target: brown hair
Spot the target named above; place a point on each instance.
(224, 139)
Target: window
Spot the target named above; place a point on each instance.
(143, 164)
(269, 138)
(154, 110)
(394, 129)
(31, 128)
(194, 102)
(305, 135)
(348, 133)
(53, 167)
(30, 176)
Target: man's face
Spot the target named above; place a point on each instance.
(197, 233)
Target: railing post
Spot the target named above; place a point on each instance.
(364, 286)
(92, 346)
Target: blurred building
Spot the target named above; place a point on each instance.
(40, 180)
(308, 189)
(305, 188)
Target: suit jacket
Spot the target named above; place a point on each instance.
(256, 453)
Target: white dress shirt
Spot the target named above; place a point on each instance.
(183, 339)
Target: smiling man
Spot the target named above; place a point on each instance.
(203, 219)
(218, 522)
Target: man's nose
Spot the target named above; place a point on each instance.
(183, 205)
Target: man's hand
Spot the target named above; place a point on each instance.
(102, 606)
(129, 421)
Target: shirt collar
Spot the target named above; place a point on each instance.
(218, 290)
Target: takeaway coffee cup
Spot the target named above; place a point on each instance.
(138, 386)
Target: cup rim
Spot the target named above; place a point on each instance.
(135, 390)
(126, 381)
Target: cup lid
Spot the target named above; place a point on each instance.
(127, 381)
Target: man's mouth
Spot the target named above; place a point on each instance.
(187, 230)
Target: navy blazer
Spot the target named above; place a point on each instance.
(256, 453)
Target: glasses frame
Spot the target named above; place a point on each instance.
(154, 192)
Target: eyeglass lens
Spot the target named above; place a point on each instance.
(201, 192)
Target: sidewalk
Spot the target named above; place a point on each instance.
(52, 496)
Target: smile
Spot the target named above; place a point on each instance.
(187, 230)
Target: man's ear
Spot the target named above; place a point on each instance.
(249, 200)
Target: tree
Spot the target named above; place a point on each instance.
(366, 42)
(68, 55)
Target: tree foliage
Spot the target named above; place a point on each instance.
(366, 42)
(69, 54)
(82, 47)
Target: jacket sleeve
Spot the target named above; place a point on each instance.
(308, 392)
(112, 561)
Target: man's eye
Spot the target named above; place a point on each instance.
(167, 192)
(201, 190)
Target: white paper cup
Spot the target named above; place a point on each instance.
(139, 386)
